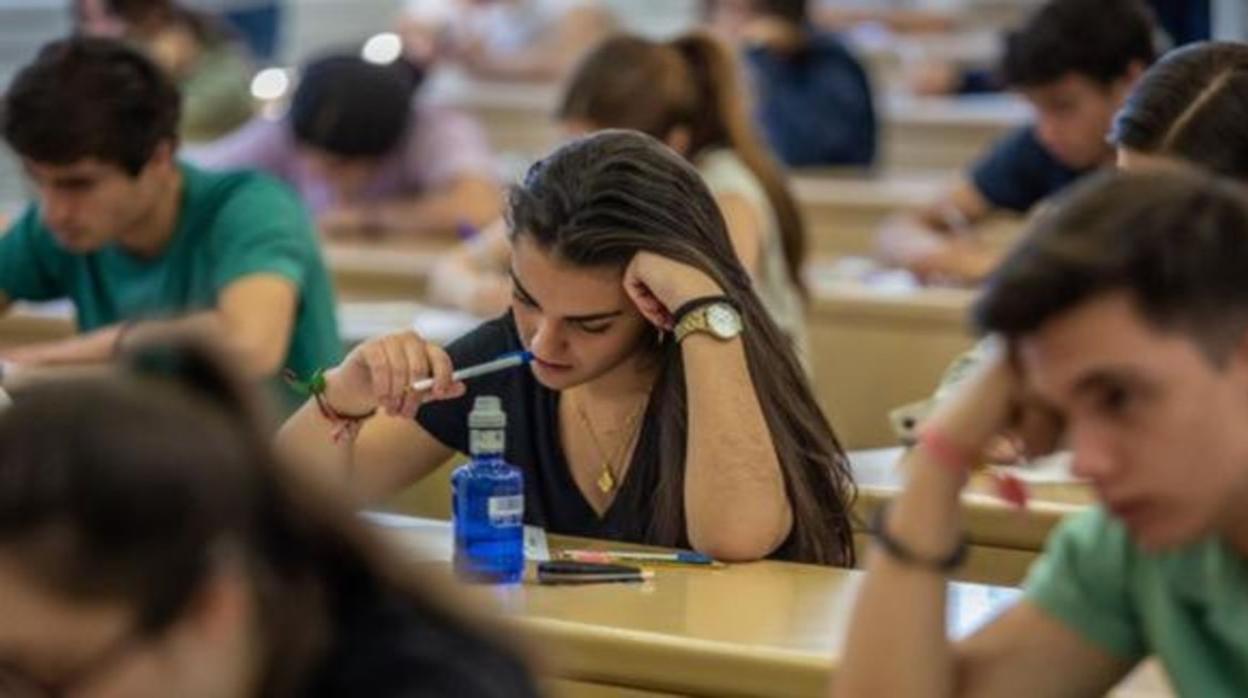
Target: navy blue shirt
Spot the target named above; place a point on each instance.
(1018, 172)
(1185, 20)
(815, 105)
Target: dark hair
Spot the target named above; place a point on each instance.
(350, 107)
(1096, 39)
(597, 202)
(1193, 104)
(690, 82)
(86, 97)
(794, 11)
(128, 488)
(1176, 241)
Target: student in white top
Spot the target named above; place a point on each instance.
(686, 92)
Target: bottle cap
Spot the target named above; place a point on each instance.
(487, 413)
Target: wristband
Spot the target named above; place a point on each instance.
(902, 553)
(945, 451)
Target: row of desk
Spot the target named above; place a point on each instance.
(767, 628)
(927, 133)
(873, 349)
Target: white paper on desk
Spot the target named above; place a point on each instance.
(361, 320)
(1053, 469)
(437, 545)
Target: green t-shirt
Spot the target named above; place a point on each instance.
(1188, 607)
(231, 225)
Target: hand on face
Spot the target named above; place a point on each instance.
(990, 414)
(381, 371)
(658, 286)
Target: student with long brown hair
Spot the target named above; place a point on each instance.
(663, 406)
(687, 93)
(1191, 106)
(151, 545)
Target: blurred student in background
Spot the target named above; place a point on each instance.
(813, 98)
(1188, 109)
(686, 93)
(367, 158)
(206, 62)
(258, 22)
(1192, 106)
(142, 243)
(164, 551)
(1074, 61)
(537, 40)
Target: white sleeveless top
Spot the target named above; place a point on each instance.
(725, 173)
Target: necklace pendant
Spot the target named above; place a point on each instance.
(606, 481)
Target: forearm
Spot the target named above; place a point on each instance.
(308, 440)
(899, 617)
(95, 347)
(258, 354)
(735, 499)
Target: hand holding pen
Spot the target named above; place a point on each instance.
(399, 372)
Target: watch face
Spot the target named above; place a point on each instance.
(723, 320)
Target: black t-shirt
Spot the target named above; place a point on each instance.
(386, 646)
(551, 498)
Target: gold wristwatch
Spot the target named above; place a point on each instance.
(714, 316)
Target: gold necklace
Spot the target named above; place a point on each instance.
(607, 478)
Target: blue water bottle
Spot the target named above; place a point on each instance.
(488, 501)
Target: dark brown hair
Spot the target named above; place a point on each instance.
(1176, 241)
(1193, 104)
(1096, 39)
(90, 98)
(125, 488)
(690, 82)
(597, 202)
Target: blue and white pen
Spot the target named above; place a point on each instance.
(502, 363)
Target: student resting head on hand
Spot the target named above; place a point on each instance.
(663, 406)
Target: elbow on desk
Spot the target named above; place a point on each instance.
(736, 543)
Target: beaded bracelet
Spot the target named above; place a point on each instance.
(345, 426)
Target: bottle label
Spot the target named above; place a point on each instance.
(486, 441)
(507, 511)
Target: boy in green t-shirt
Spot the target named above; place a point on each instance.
(1121, 325)
(142, 243)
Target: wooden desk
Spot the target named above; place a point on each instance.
(1004, 540)
(26, 323)
(518, 117)
(844, 209)
(875, 350)
(760, 629)
(383, 270)
(932, 133)
(945, 133)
